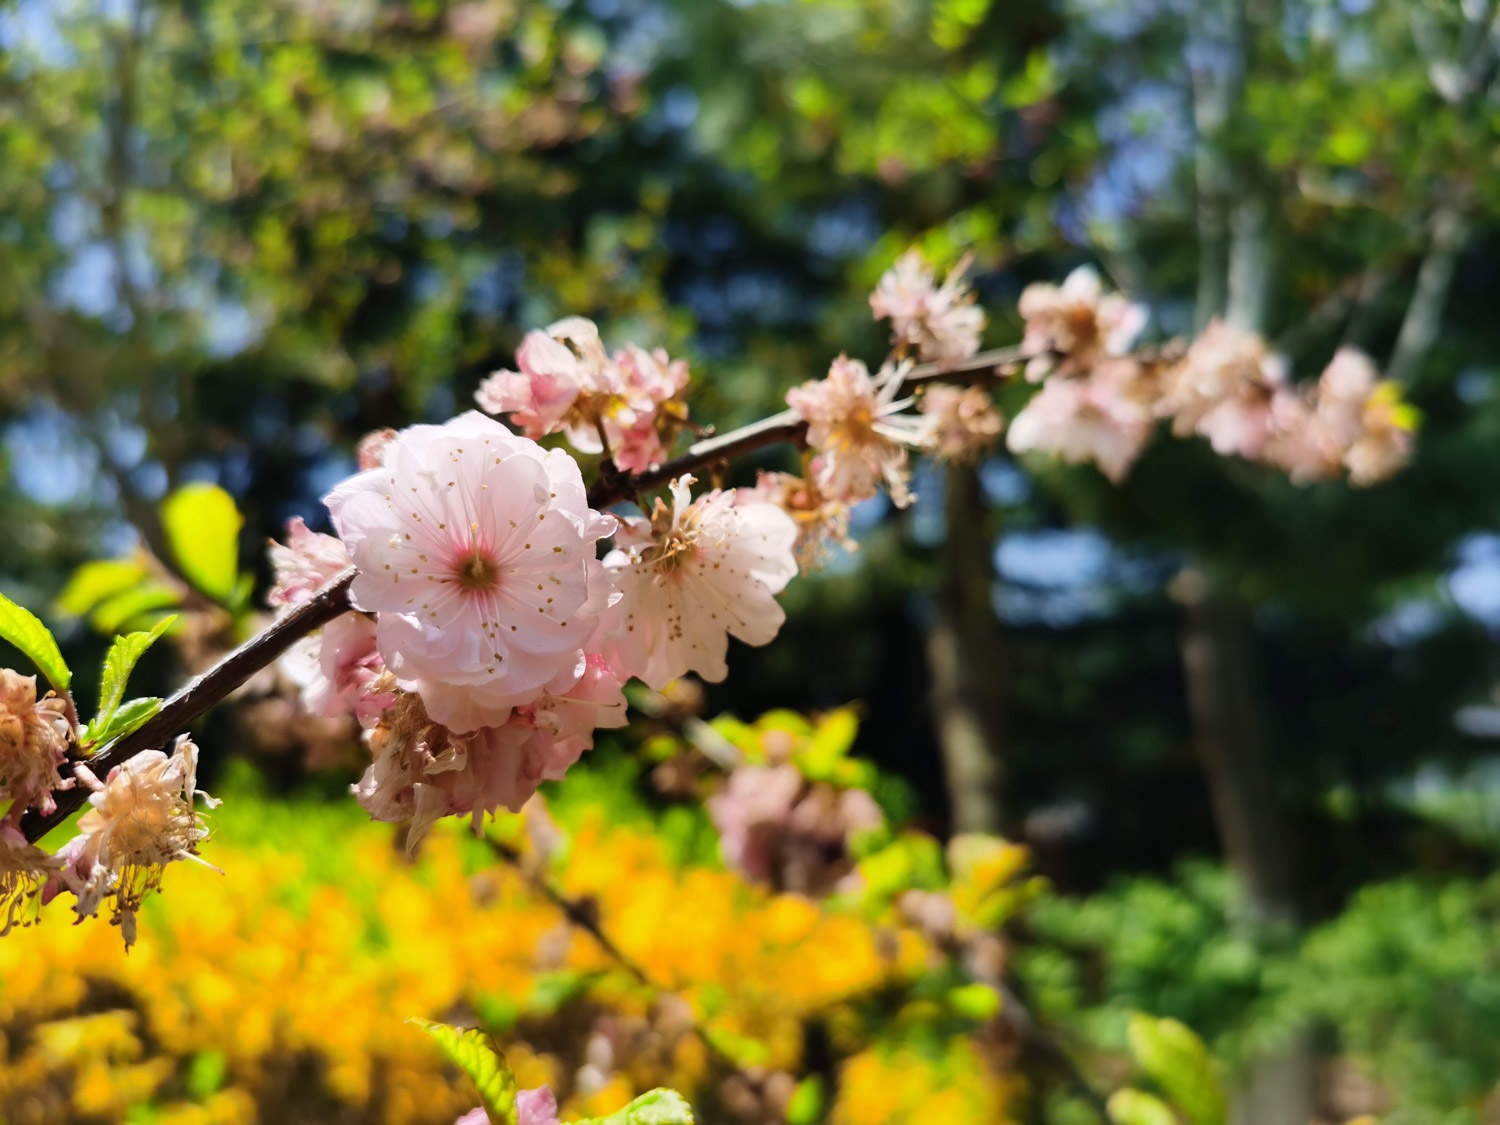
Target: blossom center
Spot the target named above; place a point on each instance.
(476, 571)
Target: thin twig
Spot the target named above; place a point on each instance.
(582, 915)
(201, 693)
(788, 427)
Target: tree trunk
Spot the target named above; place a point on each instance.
(1218, 666)
(964, 661)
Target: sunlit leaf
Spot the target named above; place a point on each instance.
(475, 1054)
(115, 613)
(1180, 1064)
(655, 1107)
(1136, 1107)
(120, 662)
(203, 528)
(25, 630)
(95, 581)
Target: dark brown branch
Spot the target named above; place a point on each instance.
(201, 693)
(787, 427)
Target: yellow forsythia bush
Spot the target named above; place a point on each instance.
(277, 991)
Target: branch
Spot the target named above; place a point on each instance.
(201, 693)
(787, 427)
(1419, 328)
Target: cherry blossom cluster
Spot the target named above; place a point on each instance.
(498, 612)
(492, 640)
(1100, 403)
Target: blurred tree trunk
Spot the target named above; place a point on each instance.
(964, 660)
(1218, 642)
(1419, 327)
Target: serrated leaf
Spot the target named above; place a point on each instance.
(24, 629)
(1180, 1064)
(120, 662)
(94, 581)
(1136, 1107)
(654, 1107)
(472, 1051)
(126, 718)
(203, 530)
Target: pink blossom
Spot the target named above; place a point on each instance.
(423, 771)
(854, 422)
(822, 521)
(475, 550)
(693, 574)
(533, 1107)
(141, 819)
(777, 828)
(1069, 328)
(941, 324)
(963, 420)
(1229, 388)
(307, 563)
(1080, 420)
(339, 671)
(371, 449)
(1387, 435)
(568, 383)
(34, 737)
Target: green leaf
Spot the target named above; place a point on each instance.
(806, 1104)
(475, 1054)
(203, 529)
(126, 718)
(23, 629)
(1180, 1064)
(95, 581)
(1135, 1107)
(120, 662)
(654, 1107)
(115, 612)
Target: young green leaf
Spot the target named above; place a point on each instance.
(126, 718)
(23, 629)
(203, 528)
(1180, 1064)
(654, 1107)
(1135, 1107)
(95, 581)
(473, 1052)
(120, 662)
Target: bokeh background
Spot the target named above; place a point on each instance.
(1248, 733)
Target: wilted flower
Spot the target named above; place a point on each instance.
(963, 421)
(33, 744)
(692, 574)
(1093, 419)
(857, 426)
(822, 522)
(1069, 328)
(142, 819)
(940, 323)
(423, 770)
(475, 549)
(307, 562)
(24, 868)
